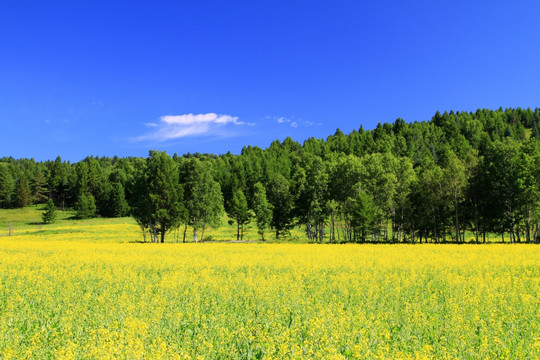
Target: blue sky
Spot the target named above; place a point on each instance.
(119, 78)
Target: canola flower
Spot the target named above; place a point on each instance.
(82, 300)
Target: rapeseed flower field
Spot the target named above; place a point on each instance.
(77, 299)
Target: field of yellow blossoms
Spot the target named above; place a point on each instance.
(76, 299)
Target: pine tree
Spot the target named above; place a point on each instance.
(117, 204)
(49, 216)
(39, 188)
(7, 186)
(22, 191)
(535, 132)
(85, 208)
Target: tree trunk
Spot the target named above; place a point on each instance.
(143, 232)
(528, 227)
(476, 227)
(332, 229)
(185, 231)
(195, 234)
(457, 225)
(162, 233)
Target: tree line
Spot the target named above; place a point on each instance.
(429, 181)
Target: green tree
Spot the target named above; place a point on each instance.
(429, 206)
(535, 132)
(58, 181)
(379, 181)
(282, 201)
(7, 185)
(202, 195)
(405, 176)
(456, 183)
(512, 187)
(39, 188)
(85, 207)
(22, 192)
(262, 209)
(117, 204)
(49, 215)
(311, 180)
(359, 212)
(157, 202)
(239, 211)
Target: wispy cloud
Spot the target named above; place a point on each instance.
(179, 126)
(292, 121)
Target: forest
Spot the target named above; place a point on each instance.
(429, 181)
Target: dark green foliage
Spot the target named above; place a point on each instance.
(117, 205)
(359, 216)
(262, 209)
(49, 215)
(22, 192)
(535, 131)
(157, 198)
(58, 181)
(85, 207)
(39, 188)
(311, 180)
(7, 185)
(203, 198)
(238, 210)
(282, 201)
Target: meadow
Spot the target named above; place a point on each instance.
(88, 290)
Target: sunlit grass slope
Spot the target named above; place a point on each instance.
(84, 300)
(26, 224)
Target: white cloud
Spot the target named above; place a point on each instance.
(178, 126)
(292, 121)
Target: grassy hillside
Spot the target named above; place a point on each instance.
(19, 224)
(27, 224)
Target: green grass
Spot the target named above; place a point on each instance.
(28, 222)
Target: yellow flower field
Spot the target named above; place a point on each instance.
(84, 300)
